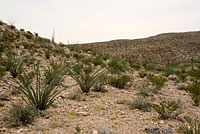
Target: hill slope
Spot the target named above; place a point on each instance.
(168, 47)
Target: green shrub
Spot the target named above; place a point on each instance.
(116, 65)
(168, 71)
(149, 67)
(142, 74)
(48, 54)
(119, 81)
(97, 61)
(13, 64)
(2, 71)
(158, 81)
(194, 89)
(21, 115)
(78, 56)
(167, 109)
(139, 103)
(86, 80)
(134, 65)
(106, 56)
(192, 126)
(76, 95)
(39, 96)
(2, 48)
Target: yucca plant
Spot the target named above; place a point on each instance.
(85, 79)
(39, 96)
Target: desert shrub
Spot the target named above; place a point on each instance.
(2, 71)
(168, 71)
(142, 74)
(97, 61)
(139, 103)
(145, 91)
(160, 68)
(2, 48)
(76, 95)
(158, 81)
(13, 64)
(48, 54)
(21, 115)
(78, 56)
(167, 109)
(194, 89)
(195, 74)
(99, 87)
(116, 65)
(192, 126)
(106, 56)
(86, 80)
(134, 65)
(149, 67)
(39, 96)
(28, 35)
(12, 26)
(87, 60)
(119, 81)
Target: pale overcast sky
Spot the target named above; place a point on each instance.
(101, 20)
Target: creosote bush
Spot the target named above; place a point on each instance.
(85, 78)
(119, 81)
(21, 115)
(40, 96)
(167, 109)
(13, 64)
(139, 103)
(194, 89)
(158, 81)
(116, 65)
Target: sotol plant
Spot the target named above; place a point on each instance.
(85, 77)
(39, 96)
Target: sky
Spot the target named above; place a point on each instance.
(85, 21)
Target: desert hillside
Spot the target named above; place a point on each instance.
(143, 86)
(159, 49)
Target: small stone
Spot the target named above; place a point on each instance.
(2, 130)
(40, 127)
(161, 121)
(44, 113)
(84, 113)
(172, 77)
(181, 86)
(20, 131)
(95, 132)
(129, 119)
(104, 130)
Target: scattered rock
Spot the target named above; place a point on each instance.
(95, 132)
(4, 96)
(40, 127)
(83, 113)
(2, 130)
(172, 77)
(104, 130)
(20, 131)
(161, 121)
(181, 86)
(44, 113)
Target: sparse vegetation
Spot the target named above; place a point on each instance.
(167, 109)
(119, 81)
(116, 65)
(21, 115)
(140, 103)
(158, 81)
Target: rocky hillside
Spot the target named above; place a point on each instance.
(160, 49)
(58, 89)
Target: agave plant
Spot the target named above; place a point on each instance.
(84, 78)
(39, 96)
